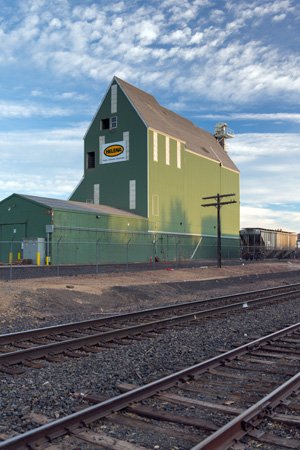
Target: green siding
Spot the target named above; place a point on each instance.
(166, 186)
(206, 178)
(114, 178)
(179, 192)
(28, 218)
(78, 242)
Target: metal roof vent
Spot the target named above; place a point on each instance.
(222, 132)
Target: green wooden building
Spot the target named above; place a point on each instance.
(146, 171)
(160, 166)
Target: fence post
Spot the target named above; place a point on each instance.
(177, 254)
(48, 259)
(153, 254)
(57, 254)
(127, 254)
(11, 257)
(97, 243)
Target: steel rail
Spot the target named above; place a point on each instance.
(57, 329)
(16, 357)
(242, 424)
(76, 420)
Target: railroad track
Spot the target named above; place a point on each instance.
(228, 401)
(74, 340)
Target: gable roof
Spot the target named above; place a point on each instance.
(167, 122)
(78, 206)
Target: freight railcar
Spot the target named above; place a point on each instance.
(260, 243)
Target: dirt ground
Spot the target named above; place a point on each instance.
(72, 297)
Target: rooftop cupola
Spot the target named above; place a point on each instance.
(222, 132)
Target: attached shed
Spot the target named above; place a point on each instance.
(70, 229)
(54, 231)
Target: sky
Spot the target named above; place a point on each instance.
(210, 61)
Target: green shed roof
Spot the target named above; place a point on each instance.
(78, 206)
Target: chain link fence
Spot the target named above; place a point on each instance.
(60, 257)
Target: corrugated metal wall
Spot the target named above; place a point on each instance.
(20, 219)
(82, 238)
(179, 192)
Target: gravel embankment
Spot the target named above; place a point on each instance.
(51, 390)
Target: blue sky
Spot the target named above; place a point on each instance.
(210, 61)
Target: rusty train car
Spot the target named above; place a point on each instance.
(261, 243)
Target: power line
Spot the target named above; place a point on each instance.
(218, 205)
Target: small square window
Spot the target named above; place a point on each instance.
(113, 122)
(104, 124)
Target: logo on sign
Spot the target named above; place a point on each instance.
(113, 150)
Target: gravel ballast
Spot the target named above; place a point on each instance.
(51, 390)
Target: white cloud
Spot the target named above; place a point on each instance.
(217, 15)
(180, 37)
(260, 217)
(58, 96)
(18, 110)
(245, 11)
(274, 117)
(148, 32)
(279, 17)
(269, 166)
(59, 185)
(55, 23)
(89, 41)
(285, 144)
(115, 7)
(38, 154)
(196, 38)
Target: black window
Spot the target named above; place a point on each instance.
(90, 160)
(104, 124)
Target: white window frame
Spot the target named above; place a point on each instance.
(178, 155)
(113, 122)
(114, 90)
(132, 194)
(101, 142)
(155, 147)
(96, 194)
(167, 150)
(126, 139)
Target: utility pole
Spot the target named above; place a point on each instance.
(218, 205)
